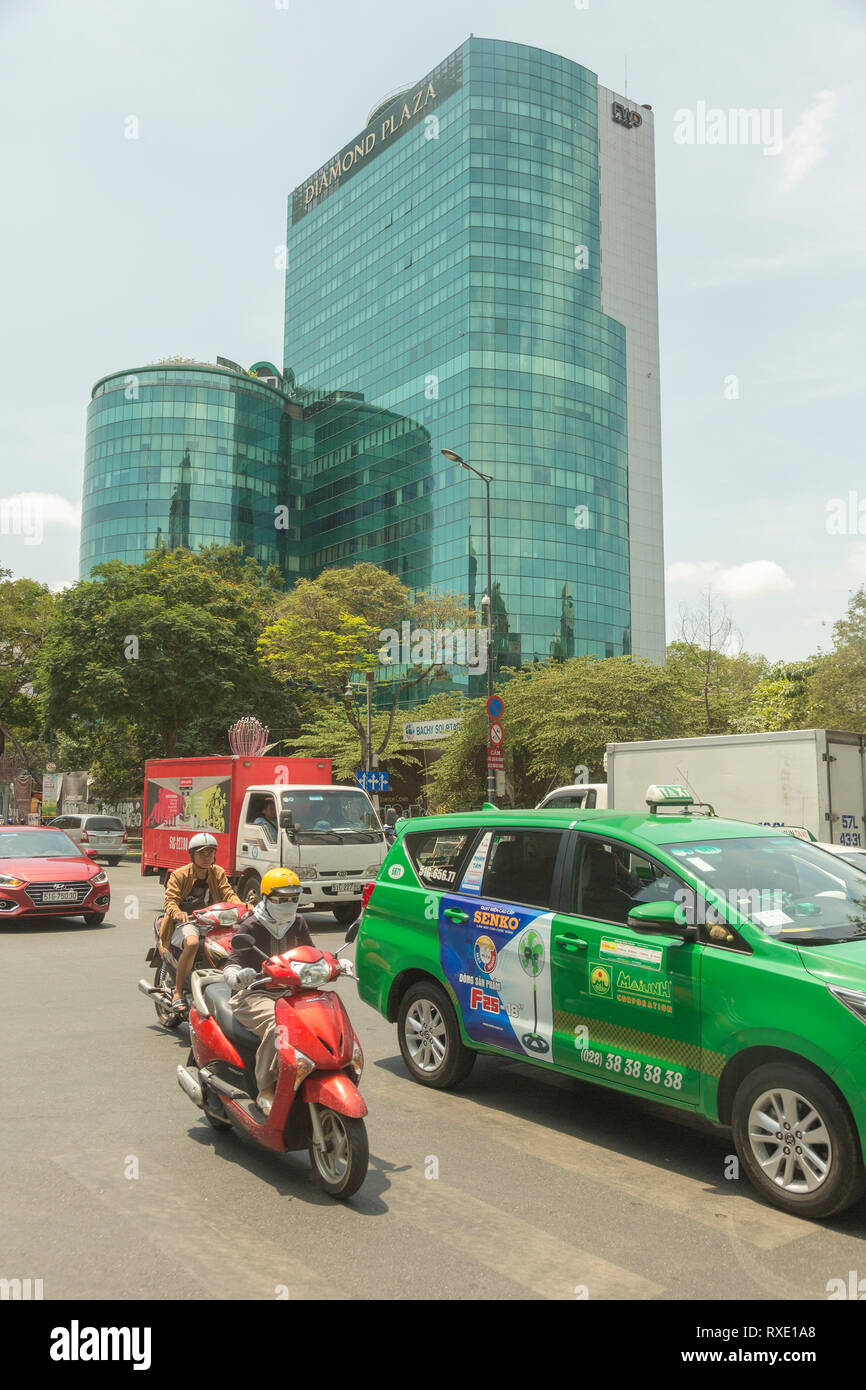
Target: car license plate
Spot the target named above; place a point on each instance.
(354, 887)
(59, 897)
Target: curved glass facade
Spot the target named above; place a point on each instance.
(186, 455)
(453, 279)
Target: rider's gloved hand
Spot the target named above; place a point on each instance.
(246, 976)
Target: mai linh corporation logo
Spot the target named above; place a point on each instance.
(599, 980)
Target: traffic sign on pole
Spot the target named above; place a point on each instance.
(495, 732)
(371, 781)
(494, 707)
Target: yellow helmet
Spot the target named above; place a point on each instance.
(281, 885)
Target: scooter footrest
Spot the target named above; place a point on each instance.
(224, 1088)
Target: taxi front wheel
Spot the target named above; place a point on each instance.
(430, 1038)
(797, 1141)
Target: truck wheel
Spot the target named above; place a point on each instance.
(797, 1141)
(346, 913)
(249, 881)
(430, 1038)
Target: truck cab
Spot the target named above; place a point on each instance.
(331, 836)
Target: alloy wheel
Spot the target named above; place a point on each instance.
(426, 1037)
(790, 1140)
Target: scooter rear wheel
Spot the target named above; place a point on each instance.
(342, 1167)
(162, 977)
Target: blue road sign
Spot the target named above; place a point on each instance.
(372, 781)
(494, 707)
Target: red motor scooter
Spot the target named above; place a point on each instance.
(222, 920)
(317, 1105)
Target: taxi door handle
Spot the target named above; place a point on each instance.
(455, 915)
(570, 943)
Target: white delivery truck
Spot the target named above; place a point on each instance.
(802, 778)
(331, 836)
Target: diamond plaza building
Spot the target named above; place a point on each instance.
(475, 270)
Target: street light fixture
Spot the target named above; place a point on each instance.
(487, 600)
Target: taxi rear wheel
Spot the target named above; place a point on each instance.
(430, 1038)
(797, 1141)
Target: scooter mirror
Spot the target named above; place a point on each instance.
(352, 932)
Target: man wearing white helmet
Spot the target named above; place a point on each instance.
(196, 885)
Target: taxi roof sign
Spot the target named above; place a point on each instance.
(671, 794)
(665, 794)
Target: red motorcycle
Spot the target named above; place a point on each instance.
(317, 1105)
(222, 920)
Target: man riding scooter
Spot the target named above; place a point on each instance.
(196, 885)
(274, 927)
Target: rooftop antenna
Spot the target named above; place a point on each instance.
(626, 75)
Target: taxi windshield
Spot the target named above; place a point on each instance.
(786, 886)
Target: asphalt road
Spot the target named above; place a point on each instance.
(519, 1185)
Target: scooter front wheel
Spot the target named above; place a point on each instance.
(341, 1166)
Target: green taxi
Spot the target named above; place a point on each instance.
(714, 965)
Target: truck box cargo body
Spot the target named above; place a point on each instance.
(811, 778)
(336, 839)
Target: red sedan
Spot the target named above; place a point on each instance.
(44, 873)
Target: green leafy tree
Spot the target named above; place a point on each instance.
(557, 716)
(169, 647)
(781, 699)
(328, 629)
(25, 614)
(837, 688)
(713, 672)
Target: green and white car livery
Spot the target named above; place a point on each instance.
(713, 965)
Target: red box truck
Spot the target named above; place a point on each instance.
(335, 842)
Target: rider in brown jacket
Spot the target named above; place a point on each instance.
(196, 885)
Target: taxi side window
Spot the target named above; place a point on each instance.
(610, 879)
(520, 866)
(438, 856)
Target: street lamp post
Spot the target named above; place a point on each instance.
(487, 479)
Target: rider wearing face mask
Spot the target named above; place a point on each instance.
(274, 926)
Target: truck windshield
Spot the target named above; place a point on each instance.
(787, 887)
(337, 812)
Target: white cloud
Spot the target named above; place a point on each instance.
(807, 141)
(754, 579)
(49, 508)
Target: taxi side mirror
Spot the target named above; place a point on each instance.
(664, 916)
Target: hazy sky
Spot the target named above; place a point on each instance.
(118, 251)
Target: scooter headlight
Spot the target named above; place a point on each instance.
(305, 1065)
(310, 975)
(357, 1059)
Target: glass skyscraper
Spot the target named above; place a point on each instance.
(188, 454)
(476, 271)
